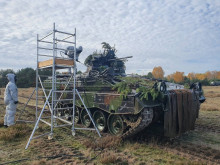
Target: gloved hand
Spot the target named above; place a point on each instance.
(15, 102)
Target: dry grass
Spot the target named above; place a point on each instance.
(110, 142)
(212, 94)
(14, 132)
(114, 151)
(41, 162)
(24, 94)
(108, 157)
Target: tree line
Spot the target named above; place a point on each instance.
(179, 77)
(25, 77)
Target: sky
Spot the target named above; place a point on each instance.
(178, 35)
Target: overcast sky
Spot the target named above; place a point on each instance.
(179, 35)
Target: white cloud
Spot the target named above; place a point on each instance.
(177, 35)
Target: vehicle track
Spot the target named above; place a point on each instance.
(144, 120)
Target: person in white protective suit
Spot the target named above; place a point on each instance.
(11, 100)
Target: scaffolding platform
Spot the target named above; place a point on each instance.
(59, 63)
(56, 60)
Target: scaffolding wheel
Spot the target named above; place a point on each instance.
(74, 133)
(50, 137)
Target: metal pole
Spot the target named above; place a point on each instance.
(74, 87)
(46, 36)
(53, 79)
(90, 116)
(63, 90)
(26, 105)
(35, 127)
(37, 80)
(55, 86)
(44, 93)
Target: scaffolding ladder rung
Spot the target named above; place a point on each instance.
(47, 117)
(56, 83)
(61, 49)
(64, 32)
(45, 55)
(91, 129)
(63, 74)
(64, 58)
(48, 42)
(40, 75)
(45, 122)
(52, 98)
(63, 108)
(64, 125)
(64, 100)
(65, 41)
(64, 91)
(63, 120)
(44, 48)
(45, 90)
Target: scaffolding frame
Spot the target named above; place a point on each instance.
(51, 98)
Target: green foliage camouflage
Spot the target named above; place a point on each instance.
(88, 59)
(142, 86)
(123, 88)
(146, 93)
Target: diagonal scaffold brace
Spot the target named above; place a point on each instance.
(55, 96)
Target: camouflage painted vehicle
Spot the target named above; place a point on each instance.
(123, 105)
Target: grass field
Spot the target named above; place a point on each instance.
(201, 146)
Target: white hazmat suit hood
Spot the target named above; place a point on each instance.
(11, 100)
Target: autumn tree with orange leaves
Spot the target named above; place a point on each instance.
(178, 77)
(200, 76)
(191, 76)
(158, 72)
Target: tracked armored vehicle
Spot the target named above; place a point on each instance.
(125, 105)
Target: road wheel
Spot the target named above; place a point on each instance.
(115, 124)
(100, 120)
(85, 119)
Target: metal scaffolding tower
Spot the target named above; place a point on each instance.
(52, 94)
